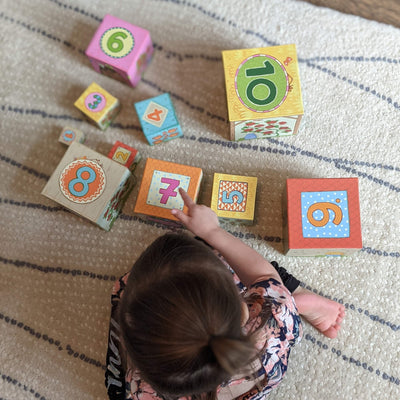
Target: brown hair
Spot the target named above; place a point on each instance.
(180, 318)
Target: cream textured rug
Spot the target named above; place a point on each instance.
(57, 269)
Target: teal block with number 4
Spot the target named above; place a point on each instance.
(158, 119)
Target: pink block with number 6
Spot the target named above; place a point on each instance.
(120, 50)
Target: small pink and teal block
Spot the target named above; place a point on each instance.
(158, 119)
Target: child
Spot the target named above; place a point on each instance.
(180, 328)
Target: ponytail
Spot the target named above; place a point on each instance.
(232, 354)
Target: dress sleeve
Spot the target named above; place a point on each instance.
(115, 371)
(285, 320)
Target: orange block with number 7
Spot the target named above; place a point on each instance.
(126, 155)
(158, 192)
(322, 217)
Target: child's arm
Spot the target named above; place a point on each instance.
(246, 262)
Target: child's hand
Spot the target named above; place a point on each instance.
(200, 219)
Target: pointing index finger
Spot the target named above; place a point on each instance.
(186, 198)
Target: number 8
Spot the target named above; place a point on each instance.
(84, 182)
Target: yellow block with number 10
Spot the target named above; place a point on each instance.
(263, 92)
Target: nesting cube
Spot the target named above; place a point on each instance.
(158, 192)
(158, 119)
(90, 184)
(120, 50)
(98, 106)
(322, 217)
(234, 197)
(126, 155)
(69, 135)
(263, 92)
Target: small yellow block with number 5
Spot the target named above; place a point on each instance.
(234, 197)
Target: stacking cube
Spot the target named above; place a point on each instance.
(234, 197)
(99, 106)
(69, 135)
(158, 193)
(322, 217)
(120, 50)
(126, 155)
(90, 184)
(158, 119)
(263, 92)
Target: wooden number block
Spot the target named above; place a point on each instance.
(99, 106)
(158, 119)
(263, 92)
(90, 184)
(128, 156)
(120, 50)
(234, 197)
(322, 217)
(69, 135)
(158, 192)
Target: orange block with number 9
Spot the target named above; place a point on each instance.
(322, 217)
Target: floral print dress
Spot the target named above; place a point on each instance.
(275, 340)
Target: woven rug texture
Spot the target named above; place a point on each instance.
(57, 269)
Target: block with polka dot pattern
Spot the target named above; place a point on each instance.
(322, 217)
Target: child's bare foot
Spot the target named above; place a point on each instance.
(322, 313)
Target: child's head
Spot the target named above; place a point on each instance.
(180, 317)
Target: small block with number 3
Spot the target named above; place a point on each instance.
(120, 50)
(158, 119)
(98, 106)
(126, 155)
